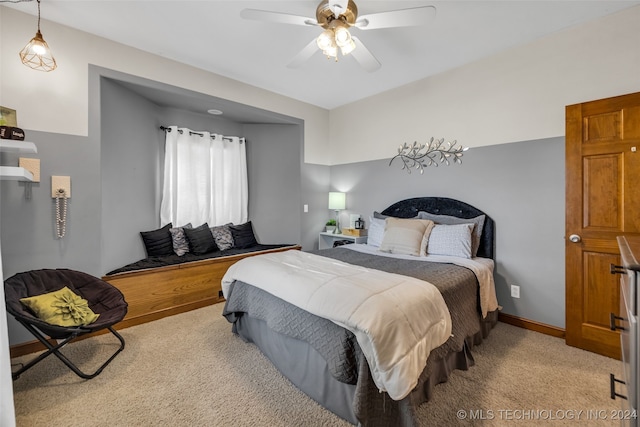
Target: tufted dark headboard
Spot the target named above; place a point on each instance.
(409, 208)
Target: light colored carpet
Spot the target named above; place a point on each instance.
(190, 370)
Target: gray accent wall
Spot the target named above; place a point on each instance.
(520, 185)
(273, 161)
(130, 154)
(131, 160)
(28, 234)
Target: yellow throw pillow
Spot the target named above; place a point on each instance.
(61, 308)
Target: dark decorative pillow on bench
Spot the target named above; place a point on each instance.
(200, 239)
(243, 236)
(158, 242)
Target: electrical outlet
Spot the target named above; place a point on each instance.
(515, 291)
(305, 208)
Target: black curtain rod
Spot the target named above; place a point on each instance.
(166, 129)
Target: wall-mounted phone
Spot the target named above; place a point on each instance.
(61, 191)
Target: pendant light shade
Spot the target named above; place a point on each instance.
(36, 54)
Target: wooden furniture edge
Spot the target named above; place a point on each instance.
(25, 348)
(191, 264)
(531, 325)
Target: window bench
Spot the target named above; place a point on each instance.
(157, 292)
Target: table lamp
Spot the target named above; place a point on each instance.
(337, 202)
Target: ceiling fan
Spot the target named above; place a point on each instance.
(336, 17)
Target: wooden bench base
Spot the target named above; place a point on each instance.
(164, 291)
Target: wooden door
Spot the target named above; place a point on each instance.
(602, 202)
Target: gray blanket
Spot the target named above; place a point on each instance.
(339, 347)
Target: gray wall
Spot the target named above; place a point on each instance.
(273, 164)
(315, 187)
(27, 227)
(280, 184)
(130, 151)
(132, 158)
(520, 185)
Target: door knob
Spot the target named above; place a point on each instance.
(575, 238)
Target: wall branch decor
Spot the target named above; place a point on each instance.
(419, 156)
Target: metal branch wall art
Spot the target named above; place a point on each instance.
(419, 156)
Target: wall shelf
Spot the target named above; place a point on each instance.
(15, 173)
(22, 147)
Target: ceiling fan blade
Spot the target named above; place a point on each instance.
(365, 58)
(338, 7)
(277, 17)
(396, 18)
(302, 56)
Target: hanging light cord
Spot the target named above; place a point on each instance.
(38, 16)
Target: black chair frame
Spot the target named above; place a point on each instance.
(55, 350)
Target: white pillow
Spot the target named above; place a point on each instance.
(375, 232)
(406, 236)
(451, 240)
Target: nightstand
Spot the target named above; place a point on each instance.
(326, 240)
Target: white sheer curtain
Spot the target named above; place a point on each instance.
(205, 179)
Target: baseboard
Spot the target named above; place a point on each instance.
(532, 325)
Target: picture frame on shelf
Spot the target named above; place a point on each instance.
(8, 117)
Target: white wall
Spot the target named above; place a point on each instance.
(517, 95)
(7, 411)
(58, 102)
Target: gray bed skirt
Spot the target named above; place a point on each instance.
(308, 371)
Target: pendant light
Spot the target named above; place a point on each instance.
(36, 54)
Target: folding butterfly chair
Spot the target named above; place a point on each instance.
(103, 299)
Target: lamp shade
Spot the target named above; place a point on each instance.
(36, 54)
(337, 201)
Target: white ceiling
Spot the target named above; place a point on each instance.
(211, 35)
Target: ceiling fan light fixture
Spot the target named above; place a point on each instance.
(331, 51)
(325, 40)
(342, 36)
(335, 36)
(36, 54)
(348, 48)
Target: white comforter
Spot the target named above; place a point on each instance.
(396, 319)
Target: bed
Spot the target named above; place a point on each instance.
(330, 361)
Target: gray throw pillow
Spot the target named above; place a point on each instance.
(179, 240)
(223, 237)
